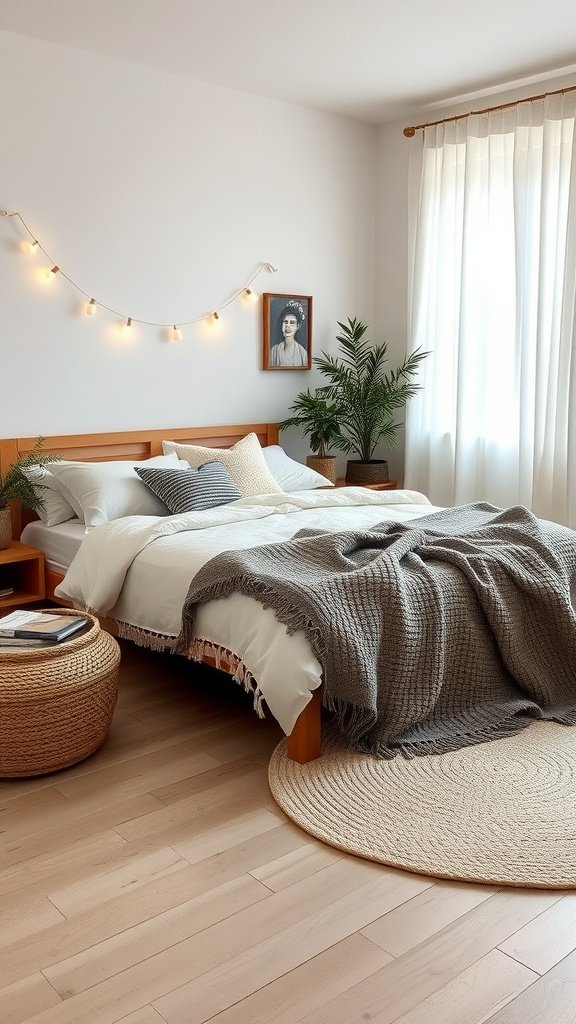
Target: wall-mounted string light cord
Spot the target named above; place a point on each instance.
(31, 245)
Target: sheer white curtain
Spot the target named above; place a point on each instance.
(493, 300)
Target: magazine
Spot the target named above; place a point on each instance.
(24, 625)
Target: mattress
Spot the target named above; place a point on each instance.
(137, 571)
(59, 543)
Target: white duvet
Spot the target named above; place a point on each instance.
(137, 571)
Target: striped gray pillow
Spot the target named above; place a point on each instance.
(191, 490)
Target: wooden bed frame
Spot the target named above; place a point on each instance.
(303, 744)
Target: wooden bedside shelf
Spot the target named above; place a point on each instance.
(390, 485)
(21, 567)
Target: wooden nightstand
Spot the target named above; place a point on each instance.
(390, 485)
(21, 567)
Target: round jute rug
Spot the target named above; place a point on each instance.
(501, 812)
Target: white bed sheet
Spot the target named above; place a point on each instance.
(162, 556)
(59, 543)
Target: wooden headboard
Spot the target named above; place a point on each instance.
(129, 444)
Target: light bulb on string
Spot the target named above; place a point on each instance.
(30, 248)
(176, 333)
(50, 274)
(90, 307)
(213, 322)
(250, 296)
(126, 329)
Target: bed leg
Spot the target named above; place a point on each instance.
(303, 743)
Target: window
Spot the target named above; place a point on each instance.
(493, 290)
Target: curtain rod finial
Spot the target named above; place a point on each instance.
(409, 133)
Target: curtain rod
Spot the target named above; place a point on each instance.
(411, 131)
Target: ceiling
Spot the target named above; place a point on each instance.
(375, 60)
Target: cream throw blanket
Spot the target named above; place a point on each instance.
(432, 634)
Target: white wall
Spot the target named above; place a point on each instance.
(394, 153)
(159, 196)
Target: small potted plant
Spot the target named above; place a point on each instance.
(318, 419)
(15, 486)
(367, 398)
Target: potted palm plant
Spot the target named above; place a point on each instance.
(318, 419)
(367, 397)
(15, 486)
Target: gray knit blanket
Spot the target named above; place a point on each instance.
(433, 634)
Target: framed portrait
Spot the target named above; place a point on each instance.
(287, 331)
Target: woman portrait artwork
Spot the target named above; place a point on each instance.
(287, 336)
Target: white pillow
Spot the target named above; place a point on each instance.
(103, 491)
(292, 475)
(57, 508)
(244, 461)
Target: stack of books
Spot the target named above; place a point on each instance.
(38, 629)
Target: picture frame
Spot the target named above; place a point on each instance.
(286, 331)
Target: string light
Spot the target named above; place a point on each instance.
(32, 245)
(30, 248)
(126, 329)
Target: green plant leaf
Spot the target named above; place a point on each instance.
(356, 410)
(318, 419)
(368, 394)
(15, 486)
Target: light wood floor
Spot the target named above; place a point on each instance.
(158, 881)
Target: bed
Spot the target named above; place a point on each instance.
(256, 651)
(420, 629)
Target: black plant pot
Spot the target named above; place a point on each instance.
(373, 472)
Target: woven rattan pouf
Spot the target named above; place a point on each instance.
(56, 703)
